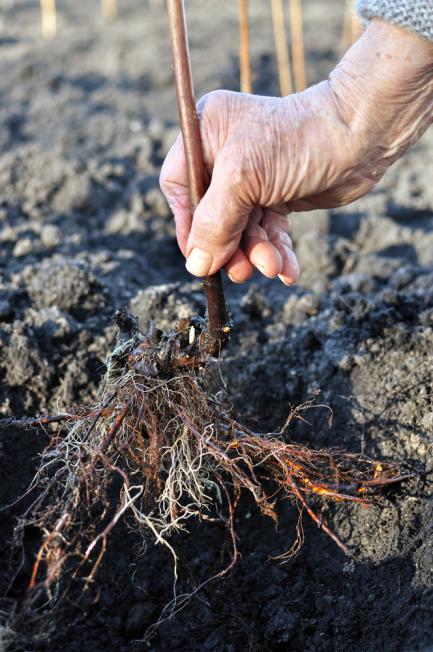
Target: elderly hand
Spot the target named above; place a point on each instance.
(325, 147)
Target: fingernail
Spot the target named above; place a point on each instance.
(233, 280)
(264, 270)
(285, 280)
(261, 269)
(199, 262)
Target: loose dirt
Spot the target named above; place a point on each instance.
(85, 122)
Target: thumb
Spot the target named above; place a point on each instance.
(218, 221)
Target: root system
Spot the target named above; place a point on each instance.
(160, 448)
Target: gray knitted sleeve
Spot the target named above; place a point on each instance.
(416, 15)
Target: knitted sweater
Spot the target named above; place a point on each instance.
(416, 15)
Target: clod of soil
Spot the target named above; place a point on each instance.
(85, 122)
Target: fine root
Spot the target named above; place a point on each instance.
(159, 448)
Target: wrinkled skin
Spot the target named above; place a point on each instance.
(325, 147)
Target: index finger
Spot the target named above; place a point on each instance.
(174, 183)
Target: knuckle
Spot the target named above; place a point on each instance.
(166, 184)
(163, 179)
(216, 231)
(170, 168)
(235, 167)
(230, 165)
(212, 102)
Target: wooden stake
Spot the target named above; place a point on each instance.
(356, 27)
(283, 60)
(297, 43)
(352, 28)
(109, 9)
(244, 50)
(217, 313)
(48, 18)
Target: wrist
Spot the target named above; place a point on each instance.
(383, 88)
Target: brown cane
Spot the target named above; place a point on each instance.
(217, 313)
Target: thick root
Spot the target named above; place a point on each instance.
(170, 450)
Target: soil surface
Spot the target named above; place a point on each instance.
(85, 121)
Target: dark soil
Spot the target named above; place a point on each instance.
(85, 121)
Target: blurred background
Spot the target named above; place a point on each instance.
(87, 114)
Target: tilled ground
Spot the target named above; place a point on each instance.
(85, 121)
